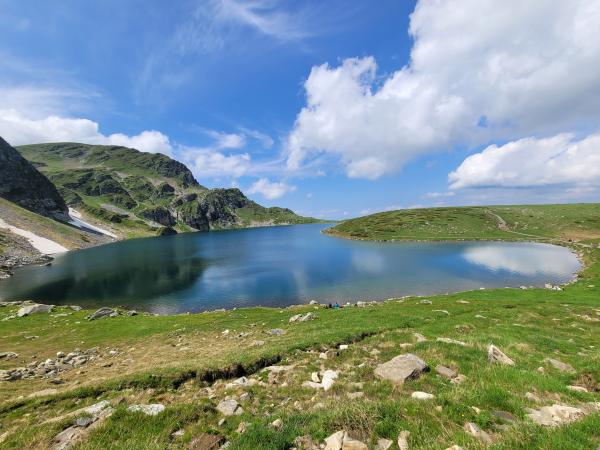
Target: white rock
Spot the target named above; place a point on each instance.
(150, 410)
(384, 444)
(403, 440)
(418, 395)
(34, 309)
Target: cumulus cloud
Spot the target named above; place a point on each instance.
(208, 162)
(226, 140)
(19, 129)
(269, 189)
(529, 162)
(479, 70)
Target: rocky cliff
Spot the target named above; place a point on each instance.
(23, 184)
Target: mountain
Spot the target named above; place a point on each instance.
(23, 184)
(136, 193)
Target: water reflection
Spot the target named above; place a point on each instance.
(278, 267)
(522, 258)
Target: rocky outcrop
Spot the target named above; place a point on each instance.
(401, 368)
(21, 183)
(160, 215)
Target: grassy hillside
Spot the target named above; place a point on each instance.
(188, 362)
(139, 194)
(525, 222)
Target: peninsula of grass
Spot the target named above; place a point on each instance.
(188, 362)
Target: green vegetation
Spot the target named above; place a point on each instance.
(186, 361)
(137, 194)
(525, 222)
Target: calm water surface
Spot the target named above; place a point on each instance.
(278, 267)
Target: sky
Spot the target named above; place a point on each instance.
(334, 109)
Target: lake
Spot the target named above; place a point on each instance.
(279, 266)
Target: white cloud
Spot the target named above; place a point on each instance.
(265, 140)
(18, 129)
(208, 162)
(528, 162)
(270, 190)
(440, 194)
(479, 70)
(226, 140)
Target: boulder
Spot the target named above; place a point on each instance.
(342, 441)
(446, 372)
(401, 368)
(474, 430)
(150, 410)
(418, 395)
(303, 317)
(384, 444)
(403, 440)
(8, 355)
(102, 313)
(559, 365)
(306, 443)
(229, 407)
(496, 356)
(555, 415)
(34, 309)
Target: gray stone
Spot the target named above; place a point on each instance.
(229, 407)
(276, 331)
(477, 433)
(84, 422)
(403, 440)
(496, 356)
(8, 355)
(150, 410)
(559, 365)
(401, 368)
(446, 372)
(102, 313)
(34, 309)
(384, 444)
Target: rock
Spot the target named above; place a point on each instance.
(477, 433)
(241, 382)
(229, 407)
(277, 424)
(446, 371)
(8, 355)
(84, 422)
(276, 331)
(335, 441)
(451, 341)
(206, 441)
(384, 444)
(245, 397)
(34, 309)
(303, 317)
(419, 337)
(455, 447)
(577, 388)
(401, 368)
(150, 410)
(242, 427)
(403, 440)
(418, 395)
(425, 302)
(353, 444)
(343, 347)
(68, 438)
(326, 383)
(315, 377)
(458, 379)
(555, 415)
(102, 313)
(496, 356)
(559, 365)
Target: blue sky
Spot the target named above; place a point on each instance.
(334, 109)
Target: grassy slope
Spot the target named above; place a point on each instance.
(528, 325)
(524, 222)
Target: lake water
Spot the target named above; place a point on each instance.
(279, 266)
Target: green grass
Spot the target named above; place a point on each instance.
(524, 222)
(529, 325)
